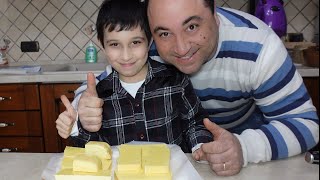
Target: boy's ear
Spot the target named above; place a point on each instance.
(100, 45)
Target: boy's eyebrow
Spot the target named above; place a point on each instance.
(134, 38)
(159, 28)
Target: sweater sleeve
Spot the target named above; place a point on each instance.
(292, 124)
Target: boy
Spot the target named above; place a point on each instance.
(143, 100)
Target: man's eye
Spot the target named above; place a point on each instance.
(164, 34)
(192, 27)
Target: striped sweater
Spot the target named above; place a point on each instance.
(252, 88)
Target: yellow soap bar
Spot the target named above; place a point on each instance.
(100, 149)
(156, 159)
(106, 164)
(129, 159)
(124, 176)
(87, 163)
(70, 151)
(154, 162)
(69, 174)
(67, 163)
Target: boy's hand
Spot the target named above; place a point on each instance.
(90, 106)
(65, 121)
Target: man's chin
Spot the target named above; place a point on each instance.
(189, 70)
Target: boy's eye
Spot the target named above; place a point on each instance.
(136, 42)
(114, 44)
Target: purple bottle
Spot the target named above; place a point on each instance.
(272, 13)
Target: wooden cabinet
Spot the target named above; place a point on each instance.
(20, 118)
(312, 84)
(51, 107)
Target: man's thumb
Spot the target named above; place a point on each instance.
(212, 127)
(91, 84)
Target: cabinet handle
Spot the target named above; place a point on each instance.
(4, 98)
(2, 125)
(9, 149)
(70, 91)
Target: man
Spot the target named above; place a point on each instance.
(244, 78)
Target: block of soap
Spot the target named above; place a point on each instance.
(129, 159)
(72, 151)
(100, 149)
(156, 159)
(87, 163)
(154, 162)
(67, 163)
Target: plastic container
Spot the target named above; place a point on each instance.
(91, 53)
(3, 56)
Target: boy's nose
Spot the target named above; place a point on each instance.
(127, 54)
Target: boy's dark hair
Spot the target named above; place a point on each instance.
(208, 3)
(125, 14)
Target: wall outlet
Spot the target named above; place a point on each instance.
(29, 46)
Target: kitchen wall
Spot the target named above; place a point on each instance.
(59, 25)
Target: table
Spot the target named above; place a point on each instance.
(29, 166)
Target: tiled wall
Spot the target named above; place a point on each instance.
(59, 25)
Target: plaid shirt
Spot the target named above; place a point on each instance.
(165, 109)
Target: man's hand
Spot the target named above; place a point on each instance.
(224, 154)
(90, 106)
(65, 121)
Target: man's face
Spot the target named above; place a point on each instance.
(185, 32)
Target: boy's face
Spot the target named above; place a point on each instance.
(127, 52)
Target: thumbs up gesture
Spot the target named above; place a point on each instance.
(224, 154)
(90, 106)
(65, 121)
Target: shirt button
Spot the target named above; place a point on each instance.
(137, 105)
(141, 136)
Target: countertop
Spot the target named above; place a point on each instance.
(80, 75)
(29, 166)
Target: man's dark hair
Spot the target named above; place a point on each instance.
(122, 14)
(208, 3)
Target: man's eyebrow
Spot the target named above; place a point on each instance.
(159, 28)
(190, 19)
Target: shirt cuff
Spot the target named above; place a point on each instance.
(244, 150)
(75, 130)
(196, 147)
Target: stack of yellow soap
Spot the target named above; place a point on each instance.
(92, 162)
(143, 162)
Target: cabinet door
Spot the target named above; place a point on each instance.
(51, 107)
(21, 144)
(19, 97)
(312, 84)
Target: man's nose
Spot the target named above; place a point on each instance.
(182, 46)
